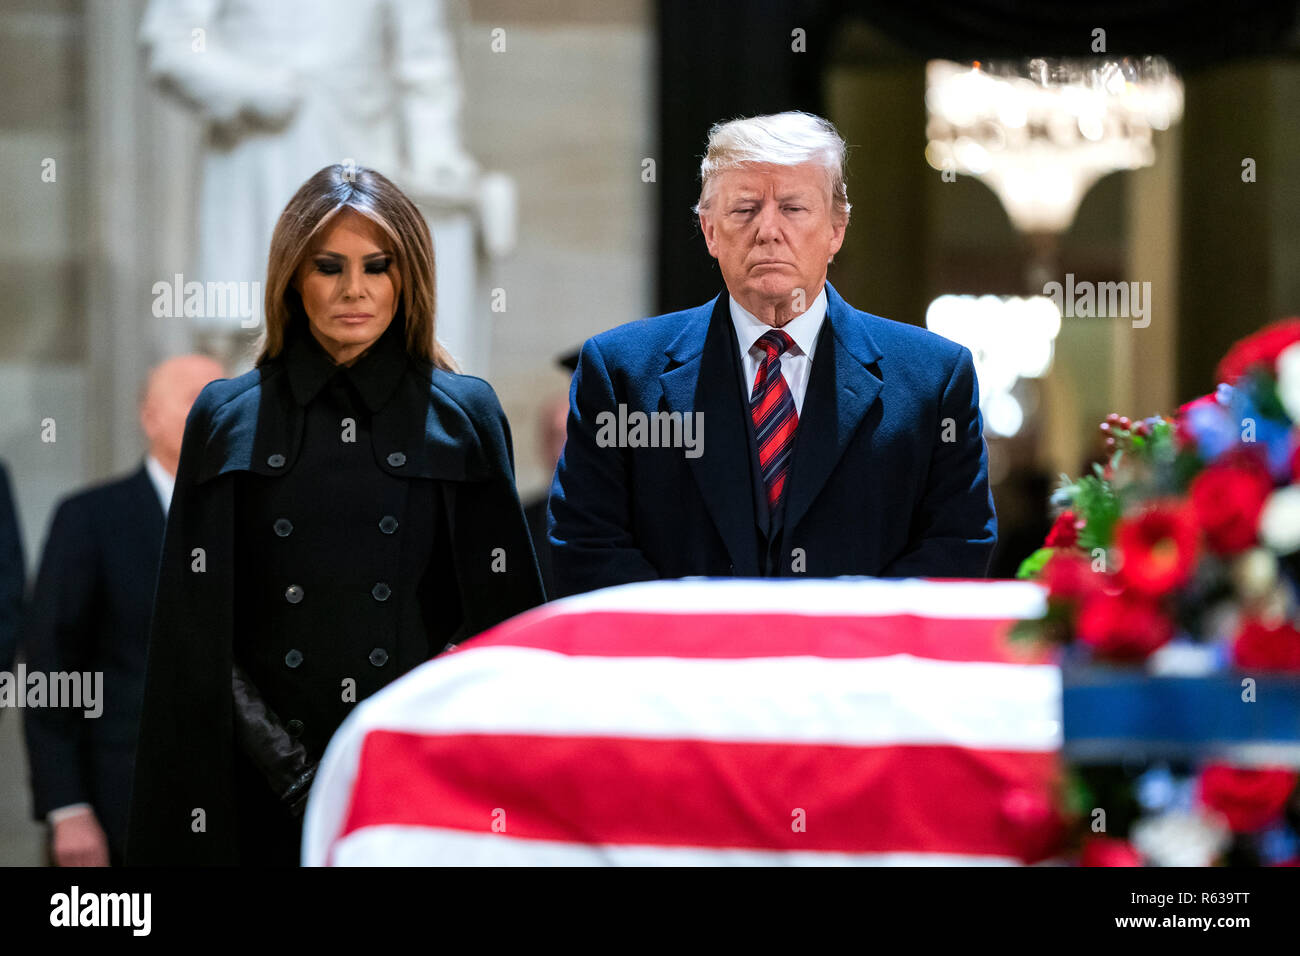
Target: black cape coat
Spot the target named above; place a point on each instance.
(447, 427)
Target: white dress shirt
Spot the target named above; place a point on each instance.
(163, 482)
(796, 361)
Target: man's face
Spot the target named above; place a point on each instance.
(772, 232)
(173, 387)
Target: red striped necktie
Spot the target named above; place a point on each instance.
(775, 418)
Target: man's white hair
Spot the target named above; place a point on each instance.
(781, 139)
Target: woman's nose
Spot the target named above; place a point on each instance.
(353, 283)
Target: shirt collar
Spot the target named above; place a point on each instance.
(375, 374)
(803, 328)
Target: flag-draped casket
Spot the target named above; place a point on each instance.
(710, 722)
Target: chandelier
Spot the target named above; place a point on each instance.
(1040, 132)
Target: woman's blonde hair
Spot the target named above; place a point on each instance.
(374, 196)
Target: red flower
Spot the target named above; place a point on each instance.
(1034, 825)
(1109, 851)
(1228, 498)
(1122, 626)
(1250, 799)
(1069, 577)
(1260, 349)
(1064, 534)
(1260, 646)
(1159, 548)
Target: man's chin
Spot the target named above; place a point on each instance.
(772, 289)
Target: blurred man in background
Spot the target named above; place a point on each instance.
(12, 579)
(90, 612)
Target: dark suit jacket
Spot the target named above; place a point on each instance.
(12, 576)
(90, 612)
(438, 425)
(889, 475)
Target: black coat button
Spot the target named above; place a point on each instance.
(283, 527)
(397, 459)
(294, 727)
(293, 658)
(387, 524)
(275, 461)
(293, 593)
(379, 657)
(381, 591)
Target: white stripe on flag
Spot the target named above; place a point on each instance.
(880, 701)
(436, 846)
(859, 597)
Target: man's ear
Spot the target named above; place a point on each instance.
(706, 227)
(838, 226)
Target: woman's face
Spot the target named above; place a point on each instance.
(349, 285)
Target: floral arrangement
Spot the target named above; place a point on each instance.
(1182, 552)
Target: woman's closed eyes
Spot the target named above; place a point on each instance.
(332, 267)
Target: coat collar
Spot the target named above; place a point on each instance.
(425, 431)
(375, 374)
(842, 387)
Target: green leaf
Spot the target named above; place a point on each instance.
(1033, 565)
(1099, 507)
(1263, 391)
(1025, 632)
(1079, 798)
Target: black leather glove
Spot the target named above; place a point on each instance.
(282, 759)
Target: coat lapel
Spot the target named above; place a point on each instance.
(148, 507)
(841, 389)
(701, 378)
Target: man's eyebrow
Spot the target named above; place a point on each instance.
(796, 194)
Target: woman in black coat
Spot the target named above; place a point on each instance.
(342, 513)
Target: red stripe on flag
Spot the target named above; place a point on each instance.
(735, 635)
(696, 793)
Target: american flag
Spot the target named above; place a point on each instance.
(848, 721)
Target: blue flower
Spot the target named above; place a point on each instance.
(1214, 430)
(1273, 435)
(1155, 789)
(1278, 844)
